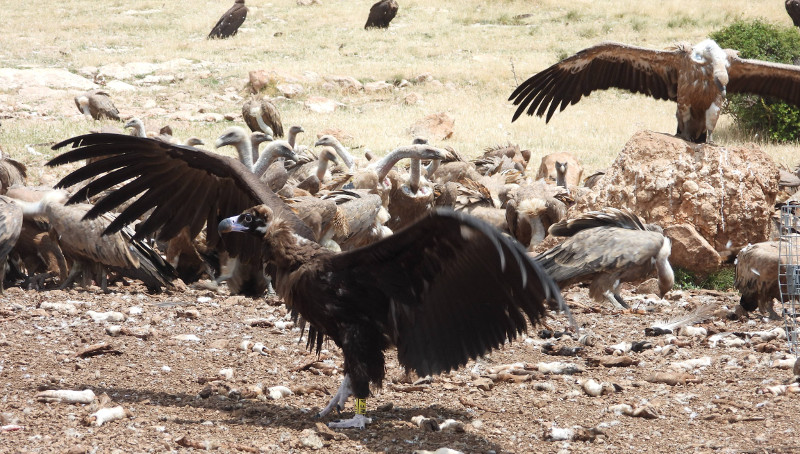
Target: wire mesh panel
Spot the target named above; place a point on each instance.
(789, 272)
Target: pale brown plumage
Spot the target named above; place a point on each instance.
(228, 25)
(697, 78)
(757, 277)
(97, 104)
(607, 248)
(12, 172)
(10, 228)
(261, 115)
(381, 13)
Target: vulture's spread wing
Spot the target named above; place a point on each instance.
(650, 72)
(184, 186)
(453, 286)
(764, 78)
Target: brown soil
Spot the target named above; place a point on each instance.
(160, 379)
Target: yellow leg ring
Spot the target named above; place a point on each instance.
(361, 406)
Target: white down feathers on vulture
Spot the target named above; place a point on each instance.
(697, 78)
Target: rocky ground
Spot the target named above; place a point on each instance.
(183, 369)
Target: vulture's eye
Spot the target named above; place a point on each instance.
(248, 218)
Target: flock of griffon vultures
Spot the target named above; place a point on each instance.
(432, 260)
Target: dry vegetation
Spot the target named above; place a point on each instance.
(479, 50)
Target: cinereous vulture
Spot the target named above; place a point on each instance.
(381, 14)
(228, 25)
(697, 78)
(445, 290)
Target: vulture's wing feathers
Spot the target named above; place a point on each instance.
(603, 250)
(609, 217)
(606, 65)
(764, 78)
(230, 22)
(185, 186)
(454, 288)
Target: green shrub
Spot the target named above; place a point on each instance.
(761, 40)
(721, 279)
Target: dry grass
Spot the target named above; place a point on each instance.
(480, 50)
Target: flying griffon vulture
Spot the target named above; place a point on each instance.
(697, 78)
(230, 22)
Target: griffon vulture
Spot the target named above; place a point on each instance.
(262, 115)
(10, 228)
(697, 78)
(381, 13)
(608, 248)
(97, 104)
(757, 277)
(230, 22)
(445, 290)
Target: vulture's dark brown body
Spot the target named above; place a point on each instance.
(228, 25)
(381, 13)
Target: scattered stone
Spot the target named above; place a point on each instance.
(321, 104)
(412, 98)
(484, 384)
(378, 87)
(97, 350)
(290, 90)
(111, 316)
(348, 84)
(438, 126)
(310, 439)
(15, 79)
(673, 378)
(559, 368)
(279, 392)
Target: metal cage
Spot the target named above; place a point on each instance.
(789, 272)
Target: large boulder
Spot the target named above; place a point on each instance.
(725, 193)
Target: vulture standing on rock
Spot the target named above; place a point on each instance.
(185, 187)
(97, 104)
(697, 78)
(445, 290)
(608, 248)
(230, 22)
(757, 277)
(381, 14)
(262, 115)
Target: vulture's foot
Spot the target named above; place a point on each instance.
(339, 399)
(356, 422)
(774, 315)
(616, 300)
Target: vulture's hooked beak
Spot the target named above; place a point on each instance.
(231, 224)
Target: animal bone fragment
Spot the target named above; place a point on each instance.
(66, 396)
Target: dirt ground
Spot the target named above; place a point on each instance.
(177, 367)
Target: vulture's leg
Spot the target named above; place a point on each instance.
(339, 399)
(73, 273)
(612, 298)
(621, 301)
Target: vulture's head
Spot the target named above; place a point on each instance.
(328, 154)
(282, 149)
(432, 153)
(296, 130)
(194, 141)
(259, 137)
(134, 123)
(327, 140)
(231, 136)
(255, 221)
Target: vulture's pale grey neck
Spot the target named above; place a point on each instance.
(561, 174)
(268, 156)
(414, 175)
(666, 277)
(292, 136)
(430, 168)
(538, 232)
(83, 102)
(322, 165)
(137, 128)
(384, 165)
(245, 151)
(347, 158)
